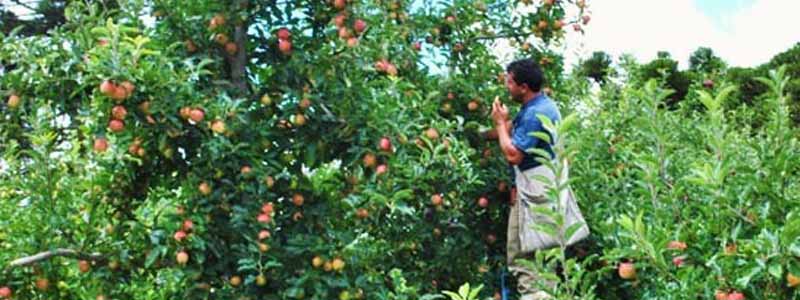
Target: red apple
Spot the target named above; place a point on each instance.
(116, 125)
(118, 112)
(491, 238)
(84, 266)
(180, 235)
(127, 87)
(185, 112)
(284, 34)
(268, 208)
(362, 213)
(196, 115)
(721, 295)
(369, 160)
(216, 21)
(339, 4)
(352, 42)
(344, 33)
(542, 25)
(187, 225)
(627, 270)
(118, 94)
(391, 69)
(107, 87)
(190, 46)
(736, 296)
(792, 280)
(339, 20)
(13, 101)
(263, 234)
(100, 144)
(359, 26)
(436, 199)
(380, 66)
(432, 133)
(263, 218)
(558, 24)
(182, 257)
(218, 126)
(5, 292)
(386, 144)
(298, 199)
(381, 169)
(676, 245)
(204, 188)
(483, 202)
(221, 38)
(473, 105)
(42, 284)
(285, 47)
(231, 48)
(678, 261)
(586, 19)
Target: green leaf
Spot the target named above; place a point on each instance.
(791, 231)
(744, 281)
(548, 229)
(776, 270)
(404, 194)
(474, 294)
(542, 136)
(546, 208)
(453, 296)
(153, 255)
(463, 291)
(572, 229)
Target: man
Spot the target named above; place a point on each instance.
(524, 80)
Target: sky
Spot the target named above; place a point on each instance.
(743, 32)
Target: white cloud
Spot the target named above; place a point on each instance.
(767, 28)
(643, 27)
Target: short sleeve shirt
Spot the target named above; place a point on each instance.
(527, 122)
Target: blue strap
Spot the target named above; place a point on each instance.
(503, 287)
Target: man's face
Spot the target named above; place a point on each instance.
(517, 91)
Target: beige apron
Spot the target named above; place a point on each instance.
(531, 193)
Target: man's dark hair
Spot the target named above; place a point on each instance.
(527, 71)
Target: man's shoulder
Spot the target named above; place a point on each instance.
(548, 107)
(543, 106)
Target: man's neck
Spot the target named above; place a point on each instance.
(529, 97)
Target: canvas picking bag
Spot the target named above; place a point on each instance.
(531, 193)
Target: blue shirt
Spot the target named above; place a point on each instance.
(527, 122)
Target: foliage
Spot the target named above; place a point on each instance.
(184, 149)
(597, 67)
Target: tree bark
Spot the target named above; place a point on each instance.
(238, 61)
(97, 257)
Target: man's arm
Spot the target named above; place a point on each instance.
(491, 134)
(503, 131)
(512, 154)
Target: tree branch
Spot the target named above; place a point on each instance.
(238, 61)
(97, 257)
